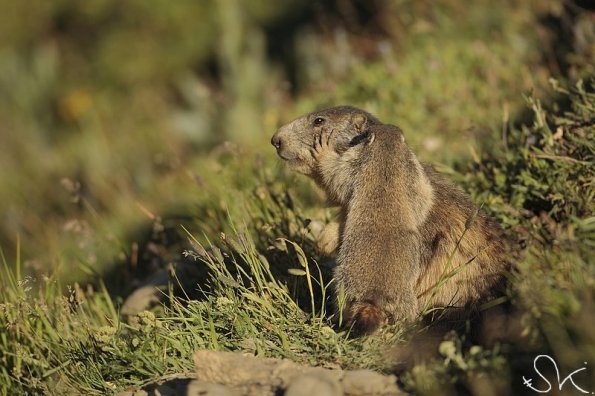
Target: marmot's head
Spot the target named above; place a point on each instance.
(294, 140)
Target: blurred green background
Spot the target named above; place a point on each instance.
(118, 117)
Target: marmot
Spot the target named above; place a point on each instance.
(408, 241)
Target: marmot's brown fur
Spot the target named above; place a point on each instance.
(407, 241)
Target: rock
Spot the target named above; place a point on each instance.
(141, 299)
(314, 384)
(151, 291)
(250, 375)
(201, 388)
(368, 382)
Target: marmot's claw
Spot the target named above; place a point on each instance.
(329, 135)
(321, 143)
(316, 147)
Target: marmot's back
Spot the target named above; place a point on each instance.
(461, 244)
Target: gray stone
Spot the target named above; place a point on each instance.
(314, 384)
(368, 382)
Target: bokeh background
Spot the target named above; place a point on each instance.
(118, 117)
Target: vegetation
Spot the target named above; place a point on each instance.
(135, 141)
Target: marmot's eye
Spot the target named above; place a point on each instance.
(318, 121)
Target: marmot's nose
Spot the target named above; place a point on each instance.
(276, 141)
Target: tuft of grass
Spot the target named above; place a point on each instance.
(264, 299)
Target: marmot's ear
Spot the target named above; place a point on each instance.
(363, 138)
(359, 120)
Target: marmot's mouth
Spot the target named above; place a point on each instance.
(295, 161)
(285, 157)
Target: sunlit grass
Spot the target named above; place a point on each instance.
(266, 293)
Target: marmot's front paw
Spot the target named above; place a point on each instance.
(322, 144)
(328, 239)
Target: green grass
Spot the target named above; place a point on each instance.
(541, 189)
(265, 291)
(109, 173)
(77, 342)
